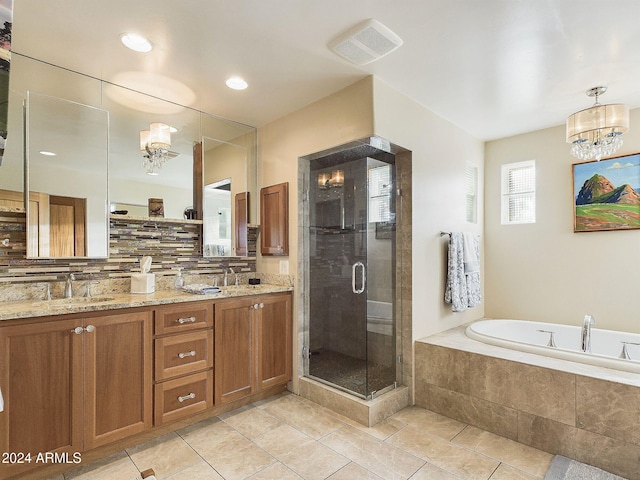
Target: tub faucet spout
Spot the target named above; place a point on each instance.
(586, 333)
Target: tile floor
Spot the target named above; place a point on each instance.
(288, 437)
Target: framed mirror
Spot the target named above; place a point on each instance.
(66, 172)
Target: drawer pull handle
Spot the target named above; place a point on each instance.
(187, 320)
(192, 353)
(186, 397)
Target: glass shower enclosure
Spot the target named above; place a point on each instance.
(350, 270)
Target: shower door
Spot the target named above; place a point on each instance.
(351, 277)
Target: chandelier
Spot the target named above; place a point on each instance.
(335, 180)
(154, 145)
(595, 132)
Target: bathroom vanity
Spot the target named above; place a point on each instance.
(82, 373)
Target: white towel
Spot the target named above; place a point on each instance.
(455, 291)
(462, 288)
(472, 268)
(471, 249)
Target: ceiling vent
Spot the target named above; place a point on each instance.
(366, 42)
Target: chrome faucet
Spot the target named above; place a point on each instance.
(225, 281)
(586, 333)
(68, 287)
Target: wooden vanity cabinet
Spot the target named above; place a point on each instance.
(252, 345)
(74, 384)
(41, 377)
(183, 360)
(274, 219)
(117, 377)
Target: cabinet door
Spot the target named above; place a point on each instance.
(274, 220)
(41, 380)
(241, 221)
(118, 380)
(233, 348)
(274, 340)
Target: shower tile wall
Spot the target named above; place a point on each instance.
(341, 325)
(404, 270)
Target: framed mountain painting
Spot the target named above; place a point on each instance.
(606, 194)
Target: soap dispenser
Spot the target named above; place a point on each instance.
(179, 281)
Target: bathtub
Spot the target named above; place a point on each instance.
(606, 345)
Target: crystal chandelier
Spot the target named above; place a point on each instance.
(595, 132)
(155, 144)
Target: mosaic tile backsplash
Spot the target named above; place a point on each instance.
(171, 244)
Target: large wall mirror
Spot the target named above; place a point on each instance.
(66, 178)
(226, 144)
(229, 186)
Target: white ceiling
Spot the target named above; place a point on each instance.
(492, 67)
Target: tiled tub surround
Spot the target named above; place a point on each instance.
(580, 411)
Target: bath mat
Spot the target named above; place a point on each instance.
(563, 468)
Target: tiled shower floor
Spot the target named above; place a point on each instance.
(349, 372)
(288, 437)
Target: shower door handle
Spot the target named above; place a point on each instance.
(353, 277)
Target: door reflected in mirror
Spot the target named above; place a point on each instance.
(217, 219)
(67, 159)
(225, 180)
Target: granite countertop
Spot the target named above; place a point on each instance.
(60, 306)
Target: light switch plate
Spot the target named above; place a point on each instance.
(284, 267)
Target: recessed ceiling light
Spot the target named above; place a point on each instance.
(236, 83)
(48, 154)
(136, 42)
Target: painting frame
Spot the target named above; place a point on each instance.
(606, 194)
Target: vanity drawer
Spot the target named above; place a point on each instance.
(183, 317)
(184, 396)
(182, 354)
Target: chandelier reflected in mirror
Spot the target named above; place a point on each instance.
(154, 145)
(335, 180)
(595, 132)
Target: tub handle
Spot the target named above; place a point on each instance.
(625, 354)
(551, 343)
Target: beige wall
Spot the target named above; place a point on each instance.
(440, 152)
(544, 271)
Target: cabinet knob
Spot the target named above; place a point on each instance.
(79, 330)
(255, 306)
(262, 305)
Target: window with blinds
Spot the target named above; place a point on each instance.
(380, 191)
(471, 187)
(519, 192)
